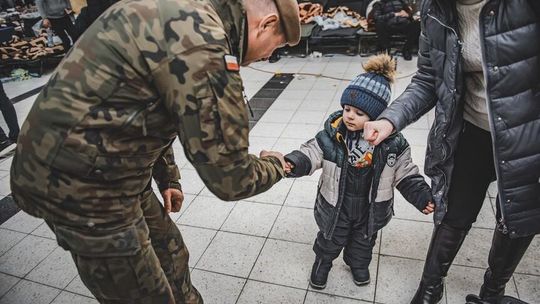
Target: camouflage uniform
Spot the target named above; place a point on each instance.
(143, 73)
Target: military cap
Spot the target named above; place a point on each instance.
(290, 20)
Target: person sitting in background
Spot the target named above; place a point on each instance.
(395, 17)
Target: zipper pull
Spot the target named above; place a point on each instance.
(144, 131)
(502, 225)
(246, 100)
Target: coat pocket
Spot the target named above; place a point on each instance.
(127, 241)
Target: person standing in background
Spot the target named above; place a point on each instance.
(56, 15)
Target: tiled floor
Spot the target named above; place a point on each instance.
(259, 250)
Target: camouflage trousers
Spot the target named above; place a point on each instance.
(157, 272)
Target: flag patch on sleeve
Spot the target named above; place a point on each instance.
(231, 63)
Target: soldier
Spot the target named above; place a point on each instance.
(145, 72)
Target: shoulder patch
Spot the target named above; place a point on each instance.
(231, 63)
(391, 159)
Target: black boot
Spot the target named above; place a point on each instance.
(319, 273)
(360, 276)
(504, 257)
(474, 299)
(443, 248)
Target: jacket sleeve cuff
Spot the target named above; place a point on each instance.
(302, 164)
(397, 120)
(170, 185)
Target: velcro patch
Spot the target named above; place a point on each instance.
(231, 63)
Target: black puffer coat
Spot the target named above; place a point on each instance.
(510, 34)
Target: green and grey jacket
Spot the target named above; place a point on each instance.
(392, 164)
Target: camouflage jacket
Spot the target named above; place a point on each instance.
(144, 72)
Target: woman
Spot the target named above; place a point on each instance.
(478, 65)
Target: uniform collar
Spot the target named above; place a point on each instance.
(233, 17)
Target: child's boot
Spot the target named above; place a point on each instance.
(319, 273)
(360, 276)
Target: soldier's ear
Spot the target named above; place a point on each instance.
(270, 23)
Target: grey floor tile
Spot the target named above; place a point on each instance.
(303, 194)
(191, 182)
(320, 298)
(528, 287)
(492, 190)
(294, 94)
(486, 217)
(264, 293)
(70, 298)
(404, 210)
(22, 222)
(78, 287)
(257, 144)
(287, 145)
(251, 218)
(263, 129)
(530, 263)
(286, 104)
(26, 255)
(308, 117)
(327, 84)
(321, 105)
(422, 124)
(295, 224)
(276, 195)
(320, 95)
(284, 263)
(418, 154)
(300, 131)
(314, 177)
(340, 281)
(44, 231)
(6, 282)
(217, 288)
(57, 270)
(26, 292)
(277, 116)
(8, 239)
(404, 238)
(475, 248)
(416, 137)
(206, 212)
(188, 199)
(462, 281)
(231, 253)
(398, 279)
(196, 240)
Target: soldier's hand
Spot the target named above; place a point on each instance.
(278, 155)
(172, 199)
(377, 131)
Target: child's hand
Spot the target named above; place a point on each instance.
(430, 207)
(288, 167)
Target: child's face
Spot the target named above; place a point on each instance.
(354, 118)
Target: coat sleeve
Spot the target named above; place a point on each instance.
(307, 159)
(410, 183)
(206, 104)
(165, 171)
(420, 96)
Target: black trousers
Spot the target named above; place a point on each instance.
(473, 171)
(384, 32)
(350, 233)
(64, 28)
(8, 111)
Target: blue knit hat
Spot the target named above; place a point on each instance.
(371, 92)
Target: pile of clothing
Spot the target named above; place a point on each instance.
(17, 49)
(335, 18)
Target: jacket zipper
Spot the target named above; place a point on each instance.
(344, 167)
(502, 220)
(460, 51)
(136, 114)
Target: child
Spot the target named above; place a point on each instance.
(355, 192)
